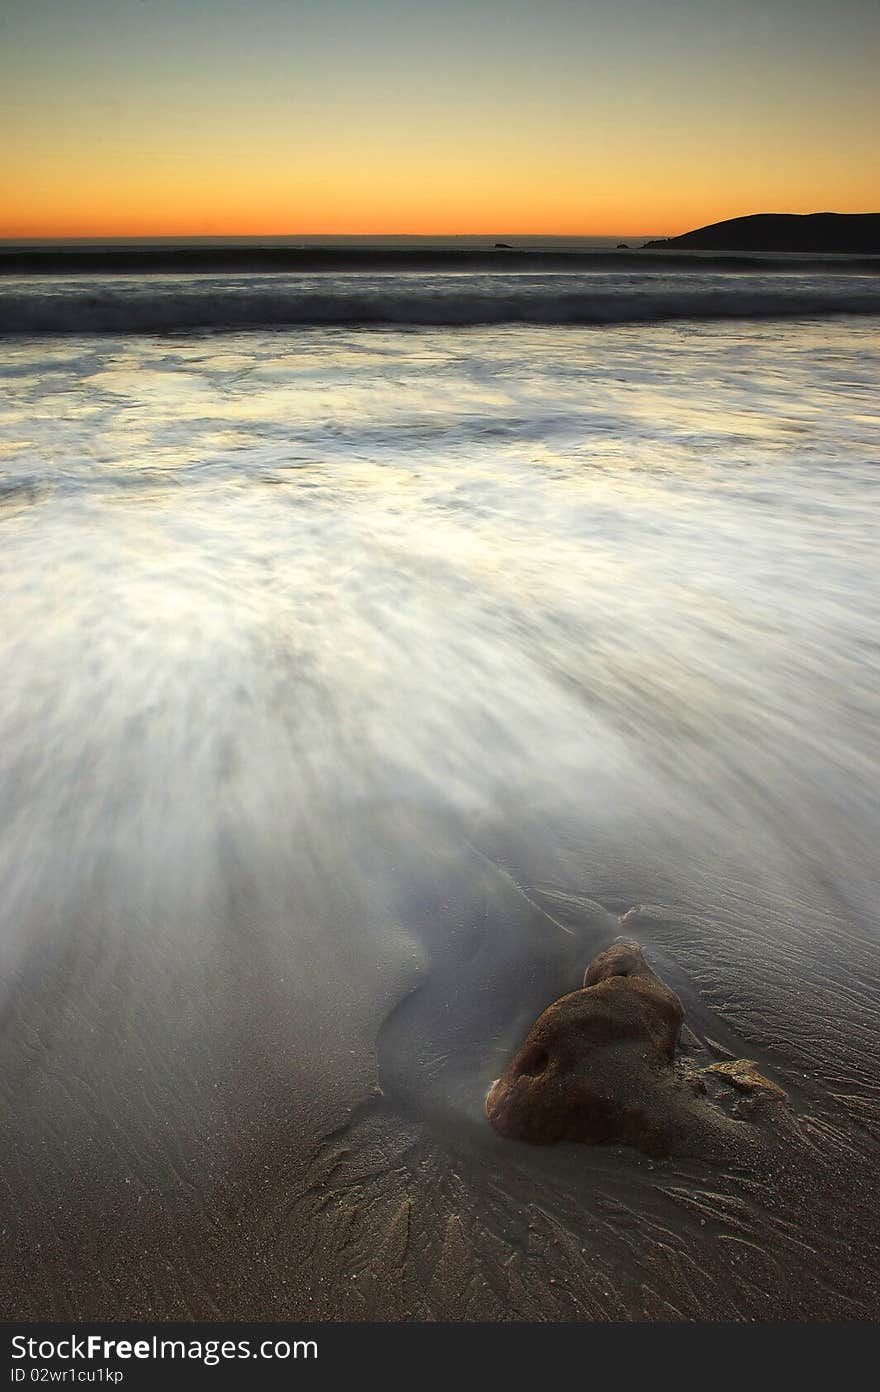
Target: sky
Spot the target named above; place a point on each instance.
(567, 117)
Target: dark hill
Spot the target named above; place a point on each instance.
(854, 234)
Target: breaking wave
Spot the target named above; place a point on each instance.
(187, 303)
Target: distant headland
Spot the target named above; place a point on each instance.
(847, 234)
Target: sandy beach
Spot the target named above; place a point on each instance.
(357, 683)
(184, 1161)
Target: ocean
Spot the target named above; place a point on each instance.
(326, 582)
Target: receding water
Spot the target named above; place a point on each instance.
(282, 609)
(352, 681)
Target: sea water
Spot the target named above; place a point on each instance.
(591, 557)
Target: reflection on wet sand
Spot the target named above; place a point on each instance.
(356, 687)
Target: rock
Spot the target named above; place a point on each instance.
(503, 246)
(623, 246)
(598, 1067)
(755, 1092)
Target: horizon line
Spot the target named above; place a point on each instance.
(166, 236)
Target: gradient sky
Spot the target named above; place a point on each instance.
(185, 117)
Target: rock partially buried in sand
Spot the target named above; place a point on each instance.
(755, 1091)
(598, 1066)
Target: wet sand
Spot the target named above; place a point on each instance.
(355, 686)
(297, 1133)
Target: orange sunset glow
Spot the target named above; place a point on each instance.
(163, 120)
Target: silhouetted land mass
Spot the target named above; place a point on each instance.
(847, 234)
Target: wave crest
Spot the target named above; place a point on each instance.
(187, 306)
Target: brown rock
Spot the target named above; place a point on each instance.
(597, 1066)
